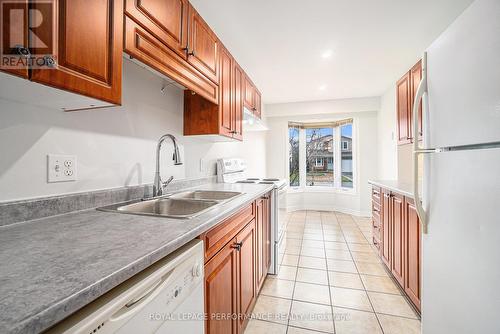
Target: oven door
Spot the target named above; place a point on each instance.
(278, 227)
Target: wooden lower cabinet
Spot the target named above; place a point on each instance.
(246, 272)
(235, 270)
(412, 250)
(397, 237)
(400, 243)
(385, 229)
(221, 291)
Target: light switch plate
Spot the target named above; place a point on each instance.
(61, 168)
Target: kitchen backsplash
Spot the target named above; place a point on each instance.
(19, 211)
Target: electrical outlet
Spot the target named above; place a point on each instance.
(61, 168)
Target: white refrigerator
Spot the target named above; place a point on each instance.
(461, 179)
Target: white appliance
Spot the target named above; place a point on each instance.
(235, 171)
(165, 298)
(461, 179)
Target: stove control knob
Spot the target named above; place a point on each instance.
(196, 270)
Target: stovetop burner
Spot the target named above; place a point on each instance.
(271, 180)
(246, 181)
(253, 179)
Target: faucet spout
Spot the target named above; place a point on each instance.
(158, 185)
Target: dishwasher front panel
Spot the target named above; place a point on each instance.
(167, 297)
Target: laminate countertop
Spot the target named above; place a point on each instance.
(403, 188)
(52, 267)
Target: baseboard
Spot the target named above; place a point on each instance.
(330, 208)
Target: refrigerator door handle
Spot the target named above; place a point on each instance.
(421, 90)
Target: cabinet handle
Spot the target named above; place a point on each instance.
(192, 53)
(49, 61)
(23, 51)
(233, 132)
(265, 197)
(237, 246)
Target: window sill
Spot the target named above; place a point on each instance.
(330, 190)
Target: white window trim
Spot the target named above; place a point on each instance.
(337, 187)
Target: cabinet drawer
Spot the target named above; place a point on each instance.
(376, 194)
(218, 236)
(140, 44)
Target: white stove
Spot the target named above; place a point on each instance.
(235, 171)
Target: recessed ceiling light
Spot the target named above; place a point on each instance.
(322, 87)
(327, 54)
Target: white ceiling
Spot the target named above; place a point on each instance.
(280, 43)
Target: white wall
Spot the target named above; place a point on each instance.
(365, 129)
(387, 137)
(114, 146)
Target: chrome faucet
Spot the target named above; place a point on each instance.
(158, 185)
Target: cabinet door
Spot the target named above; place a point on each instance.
(249, 94)
(225, 94)
(87, 48)
(238, 91)
(386, 247)
(413, 250)
(247, 293)
(403, 109)
(397, 227)
(14, 37)
(261, 240)
(221, 291)
(165, 19)
(416, 77)
(203, 46)
(143, 46)
(258, 106)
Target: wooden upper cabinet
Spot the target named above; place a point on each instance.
(413, 251)
(87, 50)
(403, 109)
(249, 94)
(225, 94)
(416, 77)
(15, 38)
(397, 239)
(165, 19)
(406, 89)
(203, 46)
(226, 118)
(258, 104)
(238, 91)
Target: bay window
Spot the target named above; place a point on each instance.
(321, 154)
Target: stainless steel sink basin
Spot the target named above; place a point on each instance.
(168, 207)
(184, 205)
(207, 195)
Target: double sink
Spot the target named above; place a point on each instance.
(182, 205)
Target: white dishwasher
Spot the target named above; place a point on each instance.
(165, 298)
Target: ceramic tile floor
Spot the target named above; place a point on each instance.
(331, 281)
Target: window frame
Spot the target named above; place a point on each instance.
(337, 161)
